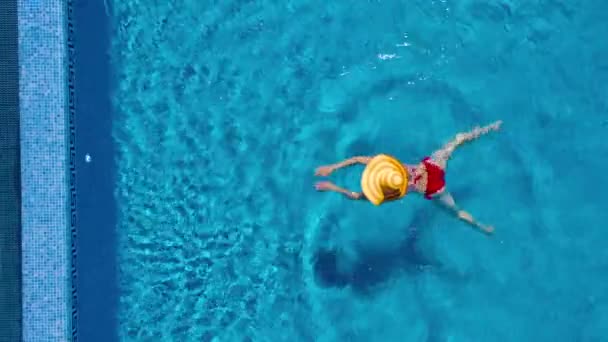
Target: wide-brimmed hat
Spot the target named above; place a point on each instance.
(383, 174)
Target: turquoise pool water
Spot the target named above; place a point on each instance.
(223, 109)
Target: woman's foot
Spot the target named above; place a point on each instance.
(477, 132)
(495, 126)
(463, 215)
(488, 229)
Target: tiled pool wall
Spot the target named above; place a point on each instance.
(46, 97)
(10, 194)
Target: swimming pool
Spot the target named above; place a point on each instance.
(224, 111)
(197, 216)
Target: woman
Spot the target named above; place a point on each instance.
(427, 178)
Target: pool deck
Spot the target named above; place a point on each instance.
(47, 171)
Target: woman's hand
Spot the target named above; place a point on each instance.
(324, 170)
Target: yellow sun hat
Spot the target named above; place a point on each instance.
(383, 174)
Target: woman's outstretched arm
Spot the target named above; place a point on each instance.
(326, 170)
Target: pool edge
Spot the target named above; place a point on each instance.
(47, 171)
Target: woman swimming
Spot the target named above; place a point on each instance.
(387, 179)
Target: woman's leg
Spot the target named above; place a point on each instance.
(442, 156)
(329, 186)
(446, 199)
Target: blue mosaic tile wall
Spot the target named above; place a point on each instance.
(10, 186)
(46, 170)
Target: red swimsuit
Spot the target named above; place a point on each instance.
(435, 179)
